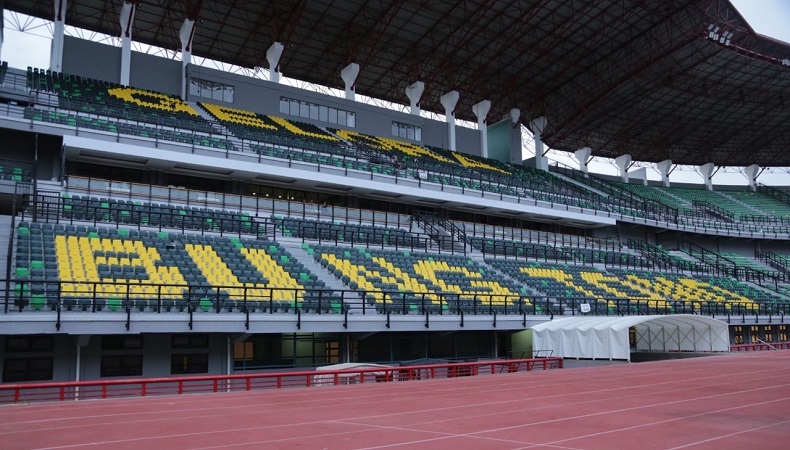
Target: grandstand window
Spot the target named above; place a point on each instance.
(188, 363)
(27, 369)
(783, 333)
(211, 90)
(25, 344)
(133, 342)
(407, 131)
(121, 366)
(312, 111)
(189, 341)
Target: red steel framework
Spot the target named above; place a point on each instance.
(141, 387)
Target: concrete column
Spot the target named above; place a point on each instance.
(273, 55)
(537, 125)
(349, 75)
(664, 168)
(186, 34)
(481, 112)
(449, 100)
(623, 163)
(639, 174)
(752, 172)
(58, 33)
(583, 156)
(707, 172)
(2, 26)
(516, 156)
(414, 93)
(127, 21)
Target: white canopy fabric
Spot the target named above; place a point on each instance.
(607, 337)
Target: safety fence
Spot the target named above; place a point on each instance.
(142, 387)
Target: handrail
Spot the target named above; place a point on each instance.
(143, 387)
(760, 347)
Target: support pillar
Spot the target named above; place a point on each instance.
(664, 168)
(706, 170)
(349, 75)
(2, 26)
(639, 174)
(414, 93)
(58, 34)
(623, 163)
(583, 157)
(752, 172)
(480, 111)
(127, 21)
(516, 152)
(186, 34)
(273, 55)
(537, 125)
(449, 100)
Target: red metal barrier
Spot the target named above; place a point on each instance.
(760, 347)
(140, 387)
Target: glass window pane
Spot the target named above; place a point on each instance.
(294, 107)
(410, 133)
(394, 128)
(216, 92)
(304, 110)
(194, 87)
(323, 115)
(314, 112)
(418, 134)
(341, 117)
(352, 120)
(228, 94)
(285, 105)
(332, 115)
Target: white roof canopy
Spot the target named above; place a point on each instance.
(608, 338)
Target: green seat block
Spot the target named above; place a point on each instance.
(113, 303)
(206, 305)
(22, 272)
(35, 264)
(38, 301)
(123, 232)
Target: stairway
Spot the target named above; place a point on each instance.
(352, 299)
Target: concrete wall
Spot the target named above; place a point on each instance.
(103, 62)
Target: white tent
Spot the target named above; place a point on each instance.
(607, 337)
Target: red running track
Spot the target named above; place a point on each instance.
(724, 402)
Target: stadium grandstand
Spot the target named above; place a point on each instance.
(161, 217)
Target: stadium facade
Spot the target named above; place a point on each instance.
(192, 220)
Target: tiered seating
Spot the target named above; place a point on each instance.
(657, 290)
(274, 130)
(351, 233)
(768, 205)
(324, 159)
(403, 281)
(537, 251)
(85, 268)
(93, 209)
(119, 109)
(118, 127)
(112, 100)
(15, 171)
(745, 261)
(711, 197)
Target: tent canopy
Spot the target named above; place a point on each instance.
(608, 337)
